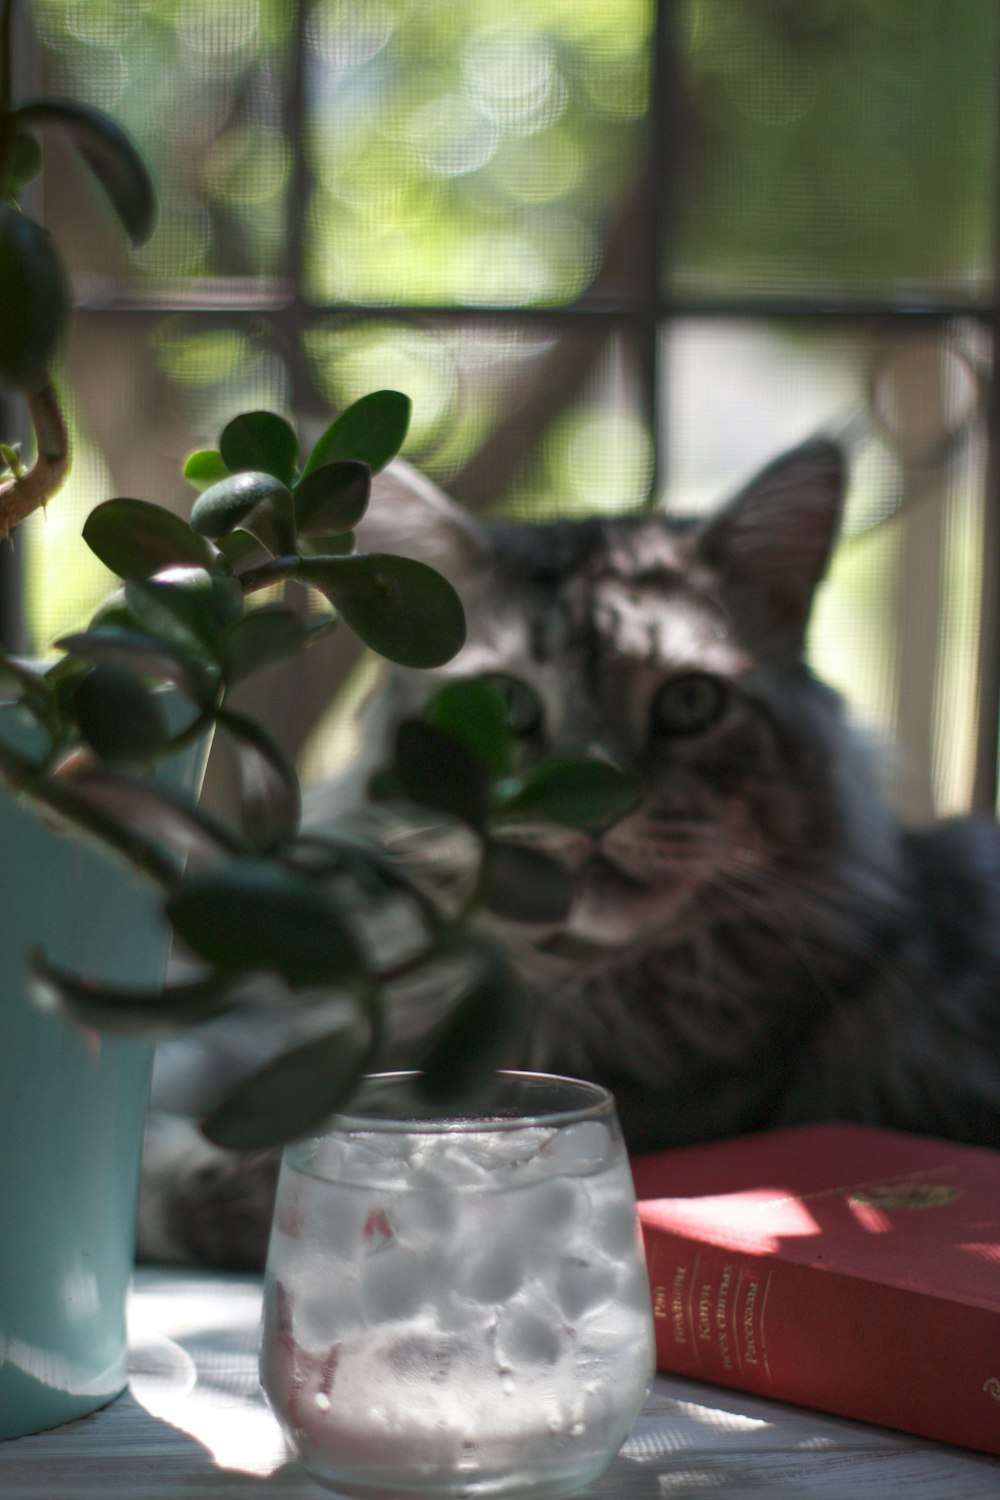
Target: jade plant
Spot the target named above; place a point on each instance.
(272, 915)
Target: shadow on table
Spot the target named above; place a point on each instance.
(177, 1465)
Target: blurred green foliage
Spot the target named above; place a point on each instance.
(475, 153)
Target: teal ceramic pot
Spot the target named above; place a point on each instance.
(72, 1107)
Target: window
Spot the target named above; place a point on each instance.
(617, 254)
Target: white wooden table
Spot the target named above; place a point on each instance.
(194, 1426)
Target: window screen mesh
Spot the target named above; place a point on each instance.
(618, 254)
(832, 146)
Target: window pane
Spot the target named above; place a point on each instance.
(470, 153)
(524, 417)
(200, 87)
(836, 147)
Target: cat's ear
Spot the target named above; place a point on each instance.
(408, 514)
(772, 543)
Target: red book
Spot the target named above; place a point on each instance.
(852, 1269)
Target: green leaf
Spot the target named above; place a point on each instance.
(10, 453)
(145, 655)
(204, 468)
(272, 522)
(473, 711)
(35, 302)
(118, 716)
(436, 770)
(111, 155)
(187, 608)
(270, 796)
(20, 680)
(229, 502)
(401, 608)
(524, 885)
(478, 1037)
(295, 1092)
(262, 637)
(25, 733)
(156, 814)
(26, 161)
(136, 539)
(372, 431)
(577, 790)
(129, 1012)
(241, 550)
(263, 441)
(254, 914)
(332, 499)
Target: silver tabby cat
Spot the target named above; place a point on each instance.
(759, 942)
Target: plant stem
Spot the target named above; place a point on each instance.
(19, 497)
(278, 570)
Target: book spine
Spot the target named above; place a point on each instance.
(817, 1337)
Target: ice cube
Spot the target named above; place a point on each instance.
(613, 1226)
(491, 1274)
(582, 1286)
(496, 1150)
(398, 1282)
(325, 1313)
(427, 1210)
(529, 1333)
(377, 1160)
(453, 1163)
(548, 1207)
(584, 1147)
(616, 1343)
(333, 1220)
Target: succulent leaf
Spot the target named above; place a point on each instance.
(437, 770)
(136, 539)
(476, 1039)
(270, 797)
(576, 790)
(35, 302)
(473, 711)
(260, 638)
(230, 501)
(295, 1092)
(372, 431)
(254, 914)
(524, 885)
(262, 441)
(332, 499)
(111, 154)
(399, 607)
(130, 1012)
(118, 715)
(204, 468)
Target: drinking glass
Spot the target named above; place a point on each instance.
(456, 1304)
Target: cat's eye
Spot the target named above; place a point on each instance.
(688, 704)
(521, 707)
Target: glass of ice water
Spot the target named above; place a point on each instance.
(457, 1305)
